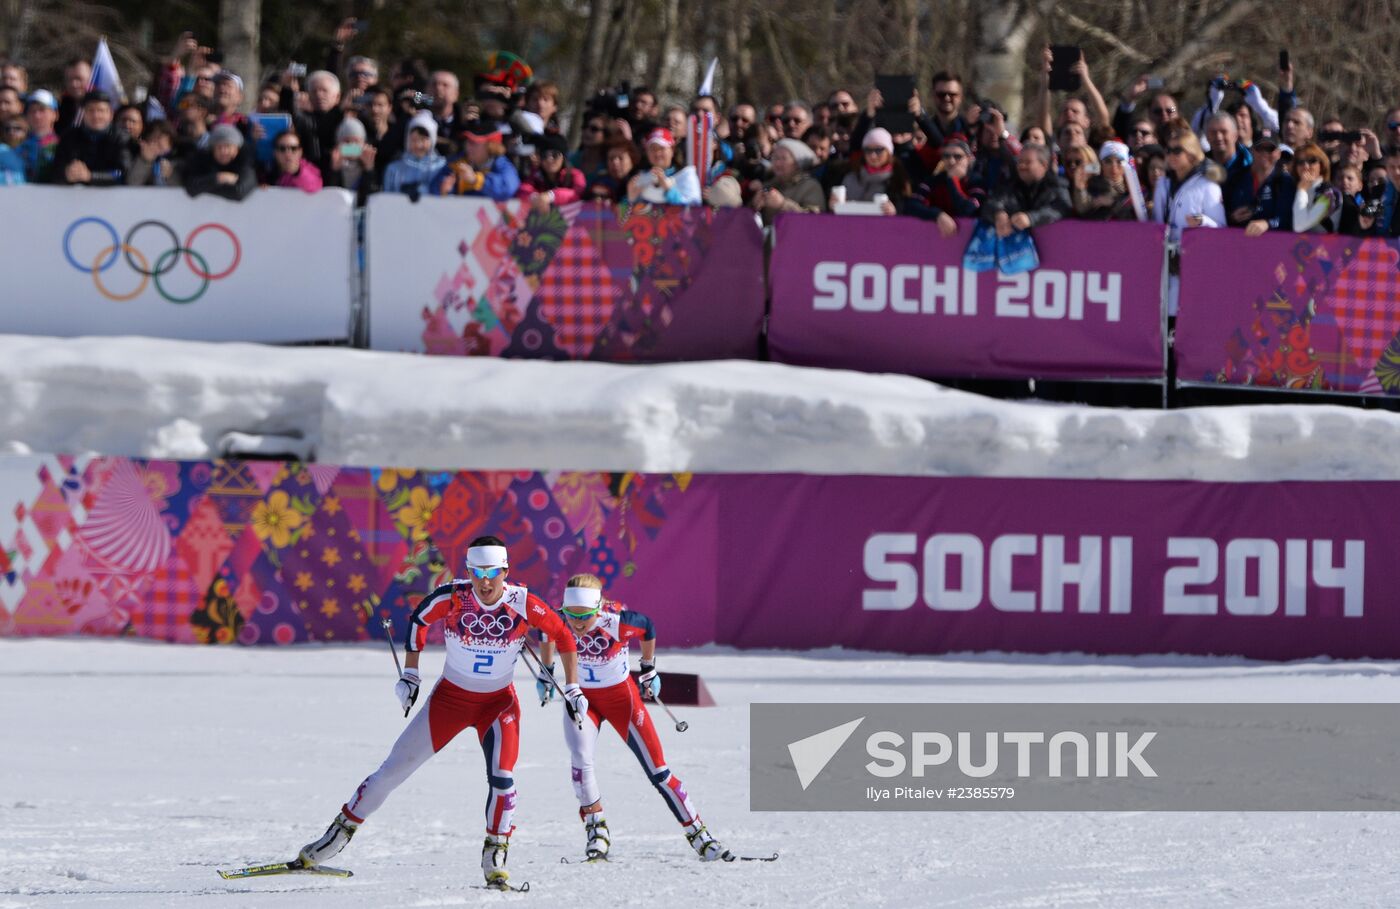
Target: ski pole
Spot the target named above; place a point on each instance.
(388, 625)
(681, 725)
(538, 669)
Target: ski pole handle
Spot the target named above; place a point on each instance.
(538, 670)
(388, 625)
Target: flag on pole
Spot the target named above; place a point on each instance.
(105, 77)
(707, 86)
(700, 144)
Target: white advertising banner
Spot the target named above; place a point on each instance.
(277, 267)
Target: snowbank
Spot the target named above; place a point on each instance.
(151, 398)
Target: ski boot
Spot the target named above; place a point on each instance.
(336, 838)
(599, 840)
(706, 846)
(493, 861)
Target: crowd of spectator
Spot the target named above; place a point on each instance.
(1233, 160)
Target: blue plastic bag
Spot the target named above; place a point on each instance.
(1017, 253)
(981, 252)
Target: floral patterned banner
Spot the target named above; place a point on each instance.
(257, 552)
(470, 277)
(1298, 311)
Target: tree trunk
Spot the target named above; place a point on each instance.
(239, 22)
(590, 55)
(660, 74)
(1004, 30)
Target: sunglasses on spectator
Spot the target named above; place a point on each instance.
(797, 119)
(737, 118)
(875, 150)
(552, 153)
(1309, 162)
(486, 574)
(363, 74)
(946, 94)
(1392, 124)
(1164, 111)
(289, 148)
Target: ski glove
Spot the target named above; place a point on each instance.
(649, 683)
(407, 688)
(576, 699)
(544, 686)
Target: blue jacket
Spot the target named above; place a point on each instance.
(11, 167)
(410, 171)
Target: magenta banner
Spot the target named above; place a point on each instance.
(256, 553)
(891, 295)
(1269, 570)
(1301, 311)
(584, 281)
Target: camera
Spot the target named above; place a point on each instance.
(1346, 137)
(297, 69)
(423, 100)
(612, 102)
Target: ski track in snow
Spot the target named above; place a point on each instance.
(134, 770)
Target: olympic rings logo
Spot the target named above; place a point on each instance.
(595, 644)
(479, 625)
(165, 263)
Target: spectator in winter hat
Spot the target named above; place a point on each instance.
(875, 172)
(791, 188)
(38, 148)
(482, 169)
(553, 182)
(413, 172)
(352, 161)
(664, 182)
(225, 168)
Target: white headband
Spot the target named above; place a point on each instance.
(582, 598)
(487, 557)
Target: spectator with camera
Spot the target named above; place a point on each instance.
(1090, 112)
(482, 169)
(1388, 224)
(352, 161)
(412, 172)
(554, 182)
(92, 154)
(1091, 196)
(996, 153)
(446, 89)
(224, 169)
(1359, 208)
(290, 169)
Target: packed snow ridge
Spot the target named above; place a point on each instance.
(164, 399)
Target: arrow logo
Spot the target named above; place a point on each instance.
(811, 755)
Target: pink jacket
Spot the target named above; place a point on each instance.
(308, 179)
(563, 195)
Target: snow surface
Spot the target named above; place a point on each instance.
(166, 399)
(134, 770)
